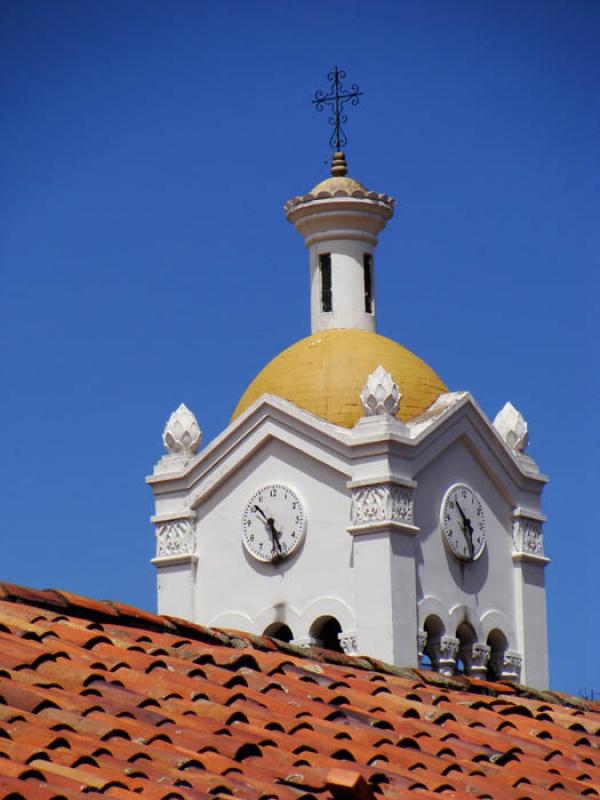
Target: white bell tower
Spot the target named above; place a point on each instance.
(353, 501)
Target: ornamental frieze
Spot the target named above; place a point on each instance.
(383, 502)
(528, 536)
(174, 538)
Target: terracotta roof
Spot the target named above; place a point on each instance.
(101, 699)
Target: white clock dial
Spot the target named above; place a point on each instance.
(463, 522)
(273, 523)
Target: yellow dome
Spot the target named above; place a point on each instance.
(325, 372)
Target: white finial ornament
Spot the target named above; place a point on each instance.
(380, 395)
(181, 435)
(512, 427)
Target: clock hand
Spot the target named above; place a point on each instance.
(469, 537)
(467, 529)
(269, 522)
(275, 536)
(261, 512)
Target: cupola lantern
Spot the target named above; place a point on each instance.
(340, 221)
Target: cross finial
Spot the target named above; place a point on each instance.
(335, 101)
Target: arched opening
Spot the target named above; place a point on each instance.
(434, 628)
(499, 645)
(278, 630)
(467, 638)
(326, 631)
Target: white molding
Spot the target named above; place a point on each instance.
(493, 618)
(169, 561)
(325, 606)
(531, 558)
(530, 514)
(433, 606)
(398, 480)
(158, 518)
(383, 527)
(266, 416)
(271, 430)
(467, 408)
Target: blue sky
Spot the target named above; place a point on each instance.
(146, 150)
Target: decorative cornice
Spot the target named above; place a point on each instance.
(398, 480)
(519, 511)
(171, 561)
(356, 194)
(383, 527)
(157, 518)
(530, 558)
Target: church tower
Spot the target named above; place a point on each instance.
(353, 501)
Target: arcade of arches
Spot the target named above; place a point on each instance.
(450, 655)
(325, 632)
(464, 654)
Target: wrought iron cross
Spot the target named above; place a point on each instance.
(335, 100)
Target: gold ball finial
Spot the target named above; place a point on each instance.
(338, 165)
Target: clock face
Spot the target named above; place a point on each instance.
(273, 523)
(463, 522)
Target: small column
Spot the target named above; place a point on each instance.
(478, 660)
(448, 651)
(421, 645)
(348, 642)
(511, 667)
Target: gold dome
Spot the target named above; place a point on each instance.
(325, 372)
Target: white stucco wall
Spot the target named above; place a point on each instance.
(483, 585)
(235, 590)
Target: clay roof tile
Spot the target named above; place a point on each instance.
(105, 699)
